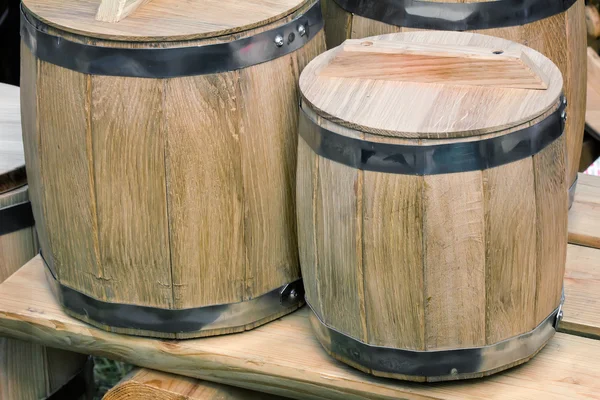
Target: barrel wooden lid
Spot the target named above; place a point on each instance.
(409, 109)
(163, 20)
(12, 158)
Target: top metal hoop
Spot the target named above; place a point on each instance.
(170, 62)
(455, 16)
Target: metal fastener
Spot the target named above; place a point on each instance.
(291, 37)
(564, 101)
(301, 30)
(563, 115)
(453, 372)
(279, 40)
(293, 294)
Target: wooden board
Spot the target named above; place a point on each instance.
(592, 107)
(283, 357)
(429, 110)
(582, 292)
(12, 157)
(584, 216)
(161, 20)
(142, 384)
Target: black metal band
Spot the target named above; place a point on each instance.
(455, 16)
(15, 218)
(434, 159)
(170, 62)
(436, 364)
(155, 319)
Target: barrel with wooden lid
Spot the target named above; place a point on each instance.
(556, 28)
(161, 155)
(432, 203)
(27, 370)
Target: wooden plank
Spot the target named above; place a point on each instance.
(22, 370)
(283, 357)
(434, 63)
(268, 142)
(127, 136)
(339, 23)
(393, 260)
(363, 27)
(592, 107)
(116, 10)
(454, 250)
(205, 194)
(12, 159)
(584, 216)
(143, 384)
(69, 183)
(551, 229)
(582, 292)
(510, 268)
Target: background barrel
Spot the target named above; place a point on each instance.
(27, 371)
(163, 187)
(560, 37)
(417, 263)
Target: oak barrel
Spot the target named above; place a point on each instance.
(161, 155)
(432, 203)
(555, 28)
(27, 371)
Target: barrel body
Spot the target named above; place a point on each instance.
(168, 202)
(560, 37)
(27, 371)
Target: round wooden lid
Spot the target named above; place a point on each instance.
(340, 85)
(163, 20)
(12, 157)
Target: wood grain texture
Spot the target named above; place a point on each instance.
(592, 106)
(130, 189)
(116, 10)
(67, 169)
(551, 229)
(12, 158)
(510, 267)
(434, 63)
(363, 27)
(22, 370)
(31, 145)
(143, 384)
(582, 292)
(584, 215)
(420, 110)
(268, 145)
(575, 85)
(164, 20)
(284, 358)
(205, 193)
(393, 260)
(454, 260)
(338, 23)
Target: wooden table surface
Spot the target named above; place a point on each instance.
(584, 216)
(284, 358)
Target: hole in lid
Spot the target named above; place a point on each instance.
(367, 43)
(498, 51)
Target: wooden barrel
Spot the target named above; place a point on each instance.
(161, 157)
(554, 28)
(432, 203)
(27, 371)
(142, 384)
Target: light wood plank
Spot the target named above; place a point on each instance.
(116, 10)
(393, 260)
(338, 25)
(69, 183)
(551, 229)
(584, 215)
(130, 189)
(143, 384)
(205, 190)
(363, 27)
(454, 247)
(284, 358)
(592, 110)
(510, 267)
(434, 63)
(268, 142)
(22, 370)
(12, 159)
(582, 292)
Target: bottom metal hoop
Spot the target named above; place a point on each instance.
(188, 321)
(435, 365)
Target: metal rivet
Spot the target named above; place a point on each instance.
(301, 30)
(279, 40)
(564, 101)
(293, 294)
(453, 372)
(291, 37)
(563, 115)
(559, 316)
